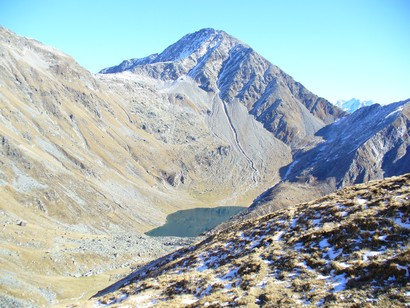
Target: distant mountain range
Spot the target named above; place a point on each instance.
(352, 104)
(205, 123)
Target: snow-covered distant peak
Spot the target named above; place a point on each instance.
(353, 104)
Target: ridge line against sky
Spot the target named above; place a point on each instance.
(338, 49)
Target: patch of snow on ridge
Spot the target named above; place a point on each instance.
(188, 301)
(339, 282)
(257, 242)
(231, 274)
(291, 166)
(370, 254)
(333, 254)
(299, 246)
(24, 183)
(317, 222)
(406, 268)
(119, 299)
(344, 213)
(188, 45)
(293, 223)
(207, 264)
(404, 225)
(322, 277)
(141, 298)
(324, 243)
(277, 236)
(344, 265)
(361, 201)
(394, 112)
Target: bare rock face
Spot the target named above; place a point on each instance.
(363, 146)
(372, 143)
(223, 65)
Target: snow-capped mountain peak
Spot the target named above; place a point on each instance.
(221, 64)
(196, 45)
(353, 104)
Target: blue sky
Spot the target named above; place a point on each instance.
(338, 49)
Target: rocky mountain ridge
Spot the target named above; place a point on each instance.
(372, 143)
(221, 64)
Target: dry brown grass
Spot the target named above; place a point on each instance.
(339, 252)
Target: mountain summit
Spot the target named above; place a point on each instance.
(188, 46)
(222, 64)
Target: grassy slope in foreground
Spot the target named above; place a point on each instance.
(350, 247)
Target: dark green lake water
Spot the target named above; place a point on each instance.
(193, 222)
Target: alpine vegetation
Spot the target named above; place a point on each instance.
(348, 248)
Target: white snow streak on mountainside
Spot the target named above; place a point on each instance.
(224, 120)
(217, 107)
(238, 144)
(231, 124)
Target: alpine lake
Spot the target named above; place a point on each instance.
(193, 222)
